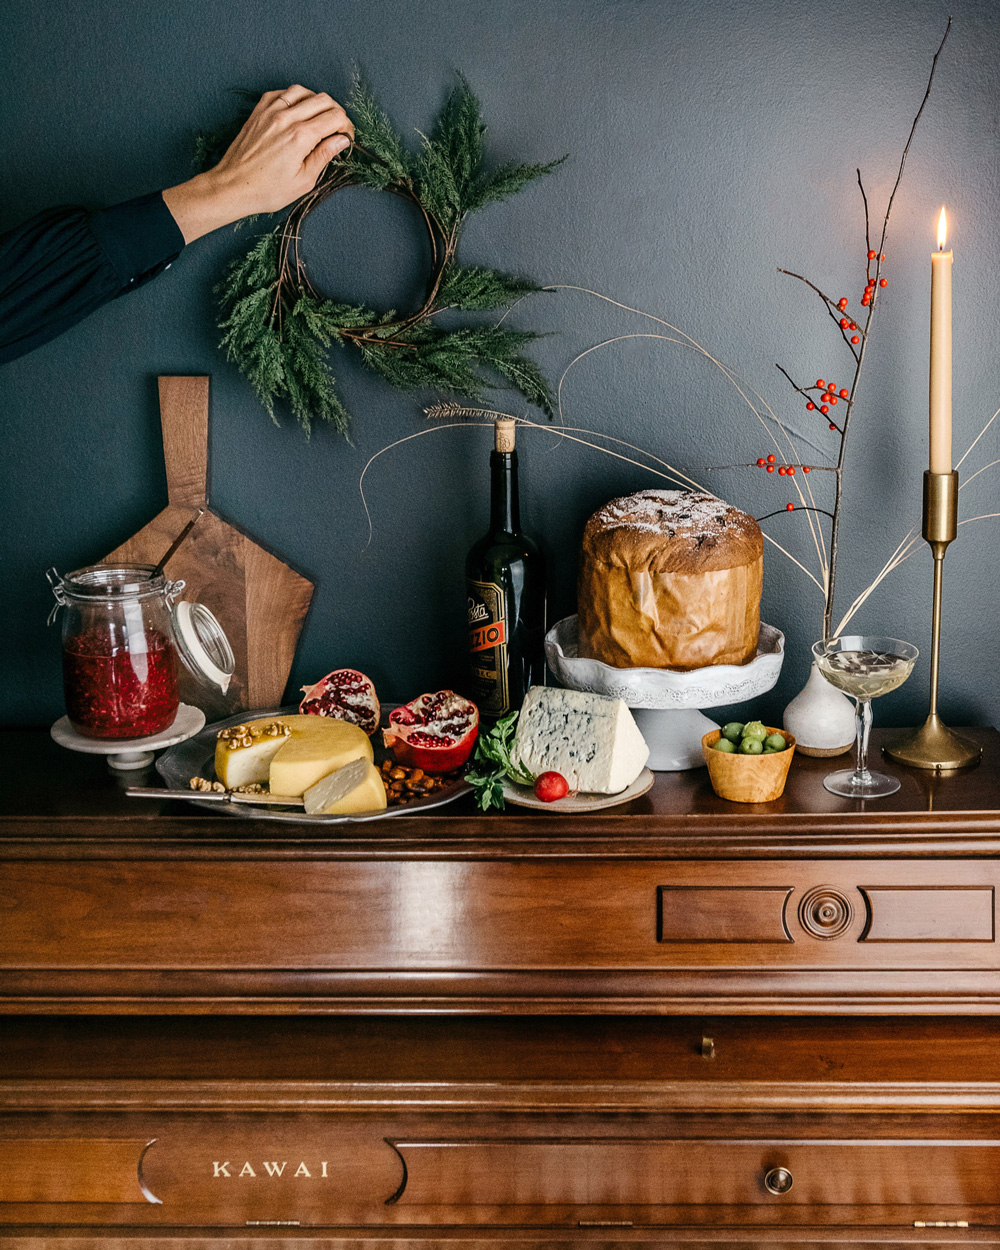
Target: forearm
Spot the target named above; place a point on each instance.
(206, 203)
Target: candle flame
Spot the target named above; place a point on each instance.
(942, 230)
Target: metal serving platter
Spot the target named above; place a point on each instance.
(196, 758)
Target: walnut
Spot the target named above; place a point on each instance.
(238, 736)
(199, 783)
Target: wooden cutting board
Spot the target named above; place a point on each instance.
(259, 601)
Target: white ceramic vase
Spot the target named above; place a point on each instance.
(821, 718)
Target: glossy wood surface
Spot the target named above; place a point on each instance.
(498, 1031)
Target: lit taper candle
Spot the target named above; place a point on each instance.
(940, 375)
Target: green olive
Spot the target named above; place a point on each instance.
(754, 729)
(774, 742)
(725, 746)
(751, 746)
(733, 731)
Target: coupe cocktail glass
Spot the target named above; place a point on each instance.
(864, 667)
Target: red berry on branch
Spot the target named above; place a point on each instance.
(844, 323)
(883, 281)
(844, 394)
(832, 426)
(806, 468)
(855, 339)
(761, 461)
(871, 255)
(770, 468)
(791, 470)
(810, 407)
(789, 507)
(865, 301)
(882, 257)
(821, 384)
(824, 409)
(842, 303)
(852, 326)
(781, 470)
(770, 460)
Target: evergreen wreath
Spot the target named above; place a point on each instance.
(277, 328)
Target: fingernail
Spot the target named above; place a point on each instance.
(343, 143)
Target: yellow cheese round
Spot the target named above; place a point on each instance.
(316, 745)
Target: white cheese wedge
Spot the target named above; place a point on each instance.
(318, 745)
(357, 787)
(589, 738)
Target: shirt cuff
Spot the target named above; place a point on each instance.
(139, 237)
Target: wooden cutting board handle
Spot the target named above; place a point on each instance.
(184, 417)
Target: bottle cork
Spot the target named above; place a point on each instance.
(503, 434)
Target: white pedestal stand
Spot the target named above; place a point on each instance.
(126, 754)
(665, 703)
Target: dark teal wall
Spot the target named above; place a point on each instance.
(709, 143)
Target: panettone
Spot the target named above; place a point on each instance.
(670, 579)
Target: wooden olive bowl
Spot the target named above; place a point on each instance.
(748, 778)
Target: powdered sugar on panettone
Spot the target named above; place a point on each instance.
(669, 512)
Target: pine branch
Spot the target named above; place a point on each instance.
(478, 290)
(375, 133)
(503, 182)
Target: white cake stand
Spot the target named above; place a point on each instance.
(124, 754)
(666, 703)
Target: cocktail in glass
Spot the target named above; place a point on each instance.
(864, 667)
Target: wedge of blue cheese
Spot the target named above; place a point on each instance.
(589, 738)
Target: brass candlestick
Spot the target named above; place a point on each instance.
(934, 745)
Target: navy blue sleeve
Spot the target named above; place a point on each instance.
(64, 263)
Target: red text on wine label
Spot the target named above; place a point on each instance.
(486, 636)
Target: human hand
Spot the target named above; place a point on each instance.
(284, 146)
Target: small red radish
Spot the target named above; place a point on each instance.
(551, 786)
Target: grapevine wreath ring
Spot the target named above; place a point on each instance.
(278, 329)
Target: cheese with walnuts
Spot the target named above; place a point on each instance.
(589, 738)
(291, 753)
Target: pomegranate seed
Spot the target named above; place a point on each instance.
(833, 400)
(855, 339)
(844, 394)
(770, 460)
(871, 255)
(789, 507)
(761, 461)
(883, 281)
(810, 407)
(824, 409)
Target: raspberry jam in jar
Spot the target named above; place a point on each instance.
(120, 664)
(112, 692)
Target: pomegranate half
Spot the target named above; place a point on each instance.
(344, 694)
(435, 732)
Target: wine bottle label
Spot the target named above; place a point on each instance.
(488, 648)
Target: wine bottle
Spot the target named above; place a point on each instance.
(505, 581)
